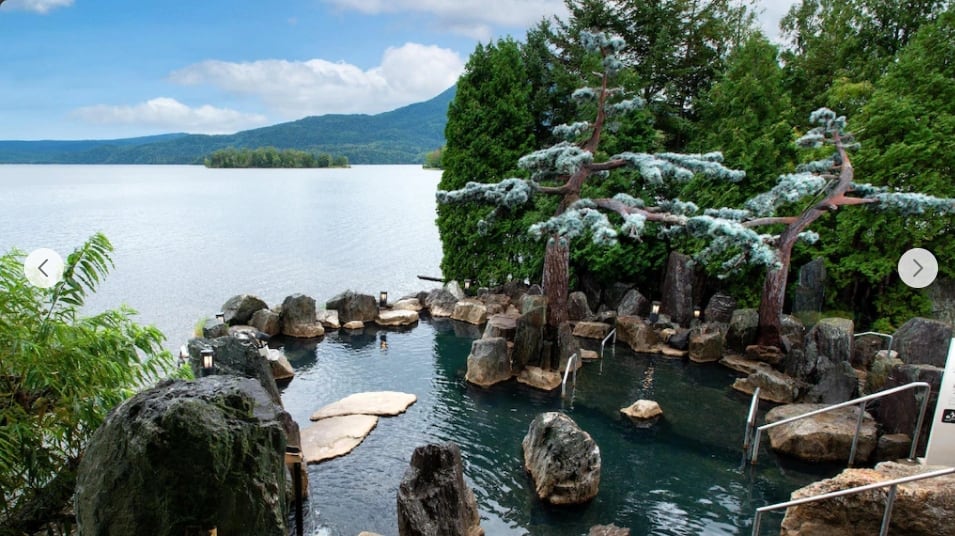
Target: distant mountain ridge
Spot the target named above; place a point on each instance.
(401, 136)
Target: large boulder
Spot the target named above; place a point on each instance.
(810, 288)
(488, 362)
(266, 321)
(207, 453)
(335, 436)
(742, 330)
(239, 309)
(329, 319)
(381, 403)
(299, 319)
(720, 308)
(922, 508)
(921, 341)
(562, 459)
(828, 344)
(529, 333)
(637, 334)
(213, 328)
(567, 345)
(592, 330)
(774, 386)
(235, 356)
(837, 384)
(826, 437)
(612, 295)
(440, 303)
(433, 499)
(471, 311)
(501, 326)
(578, 308)
(706, 346)
(677, 300)
(633, 304)
(538, 378)
(898, 412)
(643, 412)
(865, 348)
(396, 318)
(354, 306)
(455, 289)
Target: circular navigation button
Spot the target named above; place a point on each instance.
(918, 268)
(43, 267)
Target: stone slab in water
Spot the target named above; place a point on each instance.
(536, 377)
(335, 436)
(382, 403)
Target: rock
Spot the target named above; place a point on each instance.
(766, 354)
(335, 436)
(706, 346)
(608, 530)
(133, 477)
(433, 499)
(680, 340)
(828, 344)
(612, 295)
(921, 341)
(454, 288)
(536, 377)
(633, 304)
(743, 365)
(822, 438)
(837, 384)
(922, 508)
(213, 329)
(588, 355)
(562, 459)
(239, 309)
(235, 357)
(381, 403)
(567, 345)
(329, 319)
(471, 311)
(811, 287)
(528, 339)
(282, 370)
(893, 447)
(898, 413)
(667, 351)
(774, 386)
(880, 369)
(488, 362)
(634, 332)
(864, 349)
(720, 309)
(440, 303)
(535, 307)
(577, 307)
(591, 330)
(501, 326)
(354, 325)
(793, 333)
(354, 306)
(643, 411)
(395, 318)
(266, 321)
(408, 304)
(299, 319)
(942, 295)
(742, 330)
(677, 300)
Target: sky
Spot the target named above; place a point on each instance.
(100, 69)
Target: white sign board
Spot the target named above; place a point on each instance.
(941, 439)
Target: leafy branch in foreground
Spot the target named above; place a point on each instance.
(60, 374)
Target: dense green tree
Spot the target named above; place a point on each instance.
(270, 157)
(60, 373)
(490, 126)
(909, 128)
(433, 160)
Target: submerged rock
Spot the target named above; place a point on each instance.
(383, 403)
(546, 380)
(643, 412)
(208, 452)
(562, 459)
(433, 499)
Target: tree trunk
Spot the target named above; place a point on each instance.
(771, 301)
(556, 279)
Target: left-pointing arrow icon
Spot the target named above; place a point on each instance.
(40, 268)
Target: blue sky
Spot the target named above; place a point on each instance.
(90, 69)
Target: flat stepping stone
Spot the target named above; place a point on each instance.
(383, 403)
(336, 436)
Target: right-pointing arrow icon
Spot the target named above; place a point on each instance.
(916, 274)
(926, 264)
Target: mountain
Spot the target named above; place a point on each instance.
(401, 136)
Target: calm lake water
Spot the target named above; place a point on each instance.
(187, 238)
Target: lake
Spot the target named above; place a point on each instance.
(187, 238)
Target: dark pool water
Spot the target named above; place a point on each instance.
(684, 476)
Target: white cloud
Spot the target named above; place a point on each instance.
(37, 6)
(474, 18)
(407, 74)
(171, 115)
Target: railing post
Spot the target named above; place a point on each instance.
(756, 523)
(855, 438)
(887, 516)
(755, 447)
(750, 421)
(918, 423)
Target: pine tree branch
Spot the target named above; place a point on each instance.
(786, 220)
(651, 213)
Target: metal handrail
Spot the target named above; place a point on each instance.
(571, 364)
(613, 333)
(886, 335)
(751, 420)
(861, 402)
(889, 499)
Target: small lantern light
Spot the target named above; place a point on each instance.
(383, 298)
(220, 316)
(467, 284)
(654, 312)
(207, 361)
(696, 312)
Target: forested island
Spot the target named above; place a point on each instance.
(270, 157)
